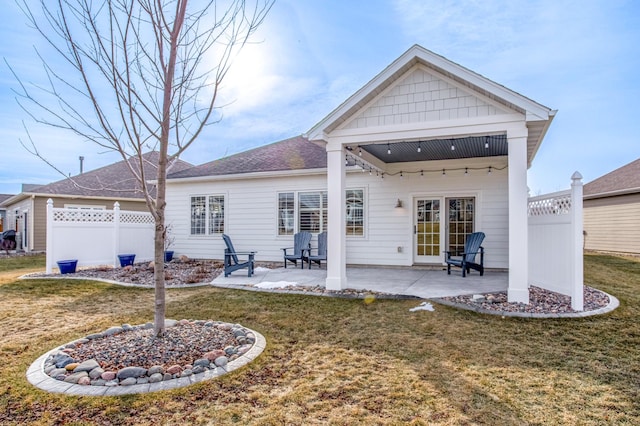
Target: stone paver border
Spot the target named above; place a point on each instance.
(37, 377)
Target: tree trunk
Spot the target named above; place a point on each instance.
(165, 127)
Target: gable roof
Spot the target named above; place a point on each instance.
(538, 116)
(623, 180)
(112, 181)
(296, 153)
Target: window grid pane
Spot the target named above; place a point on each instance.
(286, 211)
(198, 215)
(216, 214)
(312, 211)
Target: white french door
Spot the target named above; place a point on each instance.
(427, 230)
(441, 224)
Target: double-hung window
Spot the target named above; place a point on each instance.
(312, 211)
(207, 214)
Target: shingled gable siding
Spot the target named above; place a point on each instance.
(252, 204)
(423, 95)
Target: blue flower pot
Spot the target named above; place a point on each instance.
(168, 255)
(126, 259)
(67, 266)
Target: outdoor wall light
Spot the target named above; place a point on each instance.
(486, 142)
(399, 204)
(388, 149)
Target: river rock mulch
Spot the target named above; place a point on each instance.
(541, 301)
(181, 272)
(129, 355)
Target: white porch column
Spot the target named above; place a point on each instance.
(336, 248)
(518, 291)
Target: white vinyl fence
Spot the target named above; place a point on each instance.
(97, 237)
(555, 242)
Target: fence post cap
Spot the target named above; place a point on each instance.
(576, 176)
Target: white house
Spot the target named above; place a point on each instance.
(422, 155)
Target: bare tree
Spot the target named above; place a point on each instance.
(138, 75)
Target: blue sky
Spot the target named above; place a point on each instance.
(580, 57)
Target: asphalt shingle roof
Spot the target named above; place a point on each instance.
(296, 153)
(114, 180)
(625, 178)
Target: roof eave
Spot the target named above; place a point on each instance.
(607, 194)
(25, 195)
(551, 115)
(16, 198)
(251, 175)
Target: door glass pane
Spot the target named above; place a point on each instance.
(461, 219)
(428, 228)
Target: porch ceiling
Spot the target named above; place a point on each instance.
(437, 149)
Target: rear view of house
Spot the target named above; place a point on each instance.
(423, 155)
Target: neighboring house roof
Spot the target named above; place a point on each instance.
(538, 116)
(296, 153)
(624, 180)
(5, 197)
(29, 187)
(112, 181)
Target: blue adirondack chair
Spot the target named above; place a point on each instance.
(467, 259)
(321, 251)
(231, 261)
(301, 245)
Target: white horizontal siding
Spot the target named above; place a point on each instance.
(251, 208)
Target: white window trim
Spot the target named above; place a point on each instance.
(206, 196)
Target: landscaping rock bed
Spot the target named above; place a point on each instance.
(130, 355)
(181, 272)
(541, 301)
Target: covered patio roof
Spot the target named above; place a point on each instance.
(437, 149)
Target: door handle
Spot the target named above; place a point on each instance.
(415, 229)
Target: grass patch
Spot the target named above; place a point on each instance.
(337, 361)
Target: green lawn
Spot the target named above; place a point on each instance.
(338, 361)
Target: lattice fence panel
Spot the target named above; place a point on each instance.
(136, 217)
(554, 206)
(83, 216)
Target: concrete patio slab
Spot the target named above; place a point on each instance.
(419, 282)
